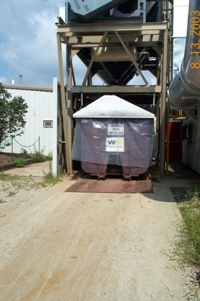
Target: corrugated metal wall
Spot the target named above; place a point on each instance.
(42, 105)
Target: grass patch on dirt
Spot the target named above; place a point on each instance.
(8, 182)
(189, 205)
(187, 245)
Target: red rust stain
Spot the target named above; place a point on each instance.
(111, 186)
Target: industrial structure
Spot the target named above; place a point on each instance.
(119, 39)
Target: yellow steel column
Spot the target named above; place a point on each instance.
(69, 106)
(63, 104)
(163, 103)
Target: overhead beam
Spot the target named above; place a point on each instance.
(116, 89)
(91, 41)
(92, 28)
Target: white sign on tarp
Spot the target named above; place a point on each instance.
(114, 144)
(116, 129)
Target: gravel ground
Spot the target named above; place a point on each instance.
(74, 246)
(19, 186)
(15, 191)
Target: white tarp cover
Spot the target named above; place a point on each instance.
(112, 106)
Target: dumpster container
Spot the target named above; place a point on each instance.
(111, 132)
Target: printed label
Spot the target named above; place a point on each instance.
(116, 129)
(114, 144)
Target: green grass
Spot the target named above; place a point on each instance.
(189, 230)
(187, 245)
(11, 193)
(2, 176)
(49, 179)
(20, 162)
(30, 182)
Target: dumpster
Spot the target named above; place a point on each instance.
(113, 136)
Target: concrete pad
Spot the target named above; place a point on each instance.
(36, 170)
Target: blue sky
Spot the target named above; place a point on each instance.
(28, 43)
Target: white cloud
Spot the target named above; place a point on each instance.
(28, 40)
(3, 80)
(28, 43)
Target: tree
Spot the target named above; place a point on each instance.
(12, 113)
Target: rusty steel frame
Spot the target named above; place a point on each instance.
(72, 35)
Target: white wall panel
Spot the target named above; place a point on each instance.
(41, 106)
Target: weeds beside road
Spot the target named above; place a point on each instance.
(15, 190)
(187, 247)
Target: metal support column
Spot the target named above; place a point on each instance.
(163, 104)
(63, 104)
(69, 105)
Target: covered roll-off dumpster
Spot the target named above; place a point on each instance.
(113, 135)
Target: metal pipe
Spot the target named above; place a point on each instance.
(184, 91)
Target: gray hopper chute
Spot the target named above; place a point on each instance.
(117, 54)
(184, 91)
(86, 10)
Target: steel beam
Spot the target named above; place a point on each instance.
(92, 59)
(69, 106)
(116, 89)
(63, 104)
(83, 28)
(131, 57)
(163, 104)
(133, 40)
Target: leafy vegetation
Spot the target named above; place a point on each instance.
(20, 162)
(12, 114)
(49, 178)
(39, 156)
(24, 153)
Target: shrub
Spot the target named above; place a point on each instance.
(23, 153)
(20, 162)
(39, 156)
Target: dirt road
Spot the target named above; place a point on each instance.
(90, 247)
